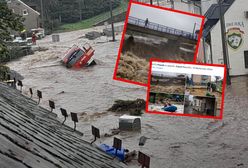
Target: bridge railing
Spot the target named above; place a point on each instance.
(161, 28)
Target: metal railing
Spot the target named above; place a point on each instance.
(161, 28)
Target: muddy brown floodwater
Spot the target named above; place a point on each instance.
(172, 142)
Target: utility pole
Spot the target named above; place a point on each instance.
(42, 13)
(194, 29)
(224, 46)
(203, 38)
(80, 9)
(60, 11)
(111, 18)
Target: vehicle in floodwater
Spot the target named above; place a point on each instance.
(77, 57)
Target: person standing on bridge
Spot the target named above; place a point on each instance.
(146, 22)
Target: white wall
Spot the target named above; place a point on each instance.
(236, 57)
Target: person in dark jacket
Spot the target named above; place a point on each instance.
(146, 22)
(209, 86)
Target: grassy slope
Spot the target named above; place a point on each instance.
(91, 21)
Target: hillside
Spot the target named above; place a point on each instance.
(87, 23)
(59, 12)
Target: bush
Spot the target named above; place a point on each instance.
(4, 70)
(15, 52)
(214, 87)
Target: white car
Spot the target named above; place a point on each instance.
(18, 40)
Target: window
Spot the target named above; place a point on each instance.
(25, 12)
(13, 10)
(246, 59)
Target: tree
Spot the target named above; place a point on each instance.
(8, 22)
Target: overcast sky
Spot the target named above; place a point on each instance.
(167, 18)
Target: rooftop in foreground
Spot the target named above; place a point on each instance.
(31, 136)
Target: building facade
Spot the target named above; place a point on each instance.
(32, 17)
(236, 22)
(201, 79)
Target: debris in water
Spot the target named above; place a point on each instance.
(61, 92)
(130, 156)
(175, 146)
(93, 35)
(114, 131)
(142, 141)
(240, 164)
(134, 107)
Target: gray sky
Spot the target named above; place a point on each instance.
(164, 17)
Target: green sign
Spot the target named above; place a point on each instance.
(235, 38)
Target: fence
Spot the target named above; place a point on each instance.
(161, 28)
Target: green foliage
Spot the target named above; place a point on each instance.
(70, 11)
(8, 21)
(214, 87)
(3, 71)
(88, 23)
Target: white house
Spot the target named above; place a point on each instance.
(236, 22)
(32, 17)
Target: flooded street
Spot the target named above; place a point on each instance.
(172, 142)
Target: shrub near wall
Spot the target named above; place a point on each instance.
(15, 51)
(3, 71)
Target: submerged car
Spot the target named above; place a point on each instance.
(77, 57)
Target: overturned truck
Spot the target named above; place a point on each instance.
(77, 57)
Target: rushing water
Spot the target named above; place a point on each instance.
(173, 141)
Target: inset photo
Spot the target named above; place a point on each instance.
(166, 82)
(155, 32)
(188, 89)
(200, 105)
(206, 86)
(161, 102)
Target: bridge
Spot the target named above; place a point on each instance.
(138, 25)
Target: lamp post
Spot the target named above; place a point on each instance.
(224, 46)
(80, 10)
(42, 13)
(111, 18)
